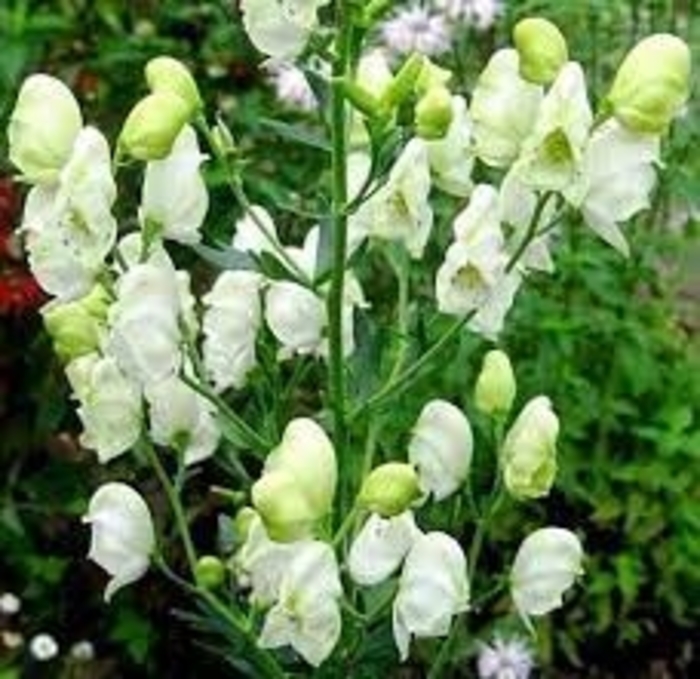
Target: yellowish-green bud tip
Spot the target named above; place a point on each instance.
(390, 489)
(209, 572)
(495, 387)
(434, 113)
(165, 74)
(542, 49)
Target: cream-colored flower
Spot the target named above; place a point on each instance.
(122, 534)
(250, 237)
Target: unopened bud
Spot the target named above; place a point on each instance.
(390, 489)
(209, 572)
(403, 83)
(652, 84)
(153, 125)
(495, 387)
(542, 50)
(165, 74)
(434, 113)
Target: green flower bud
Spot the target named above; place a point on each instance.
(390, 489)
(43, 126)
(495, 387)
(153, 124)
(75, 327)
(404, 82)
(165, 74)
(209, 572)
(542, 50)
(528, 456)
(243, 521)
(431, 75)
(652, 84)
(434, 113)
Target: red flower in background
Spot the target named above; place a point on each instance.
(19, 291)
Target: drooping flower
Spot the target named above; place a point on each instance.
(380, 547)
(433, 588)
(416, 29)
(528, 455)
(256, 232)
(174, 199)
(546, 565)
(505, 659)
(441, 448)
(231, 321)
(123, 538)
(307, 613)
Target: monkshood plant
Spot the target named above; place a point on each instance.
(331, 536)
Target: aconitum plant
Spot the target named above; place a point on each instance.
(333, 538)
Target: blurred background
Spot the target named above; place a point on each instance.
(615, 343)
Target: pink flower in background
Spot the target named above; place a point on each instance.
(481, 14)
(505, 659)
(416, 29)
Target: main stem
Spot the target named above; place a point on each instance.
(336, 369)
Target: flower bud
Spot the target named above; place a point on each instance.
(152, 126)
(433, 114)
(542, 49)
(495, 387)
(43, 127)
(652, 84)
(529, 450)
(403, 83)
(165, 74)
(75, 327)
(209, 572)
(546, 565)
(389, 489)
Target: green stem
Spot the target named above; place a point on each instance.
(339, 221)
(531, 229)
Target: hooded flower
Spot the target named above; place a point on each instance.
(174, 201)
(122, 534)
(307, 613)
(433, 588)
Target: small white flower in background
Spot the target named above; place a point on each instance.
(380, 547)
(69, 226)
(546, 565)
(82, 651)
(43, 647)
(503, 109)
(452, 157)
(181, 416)
(441, 448)
(616, 180)
(43, 126)
(505, 659)
(174, 197)
(400, 210)
(307, 613)
(10, 639)
(433, 588)
(416, 29)
(280, 28)
(481, 14)
(249, 237)
(551, 154)
(232, 318)
(10, 604)
(110, 405)
(148, 296)
(291, 86)
(122, 538)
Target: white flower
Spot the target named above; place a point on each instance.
(452, 158)
(291, 86)
(380, 547)
(441, 448)
(83, 650)
(296, 316)
(10, 604)
(43, 126)
(175, 198)
(110, 405)
(280, 28)
(490, 318)
(148, 297)
(122, 534)
(546, 565)
(551, 154)
(230, 323)
(416, 29)
(505, 659)
(400, 210)
(69, 226)
(182, 418)
(503, 109)
(43, 647)
(481, 14)
(433, 588)
(250, 237)
(616, 179)
(307, 614)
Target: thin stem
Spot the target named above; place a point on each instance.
(346, 526)
(531, 230)
(401, 270)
